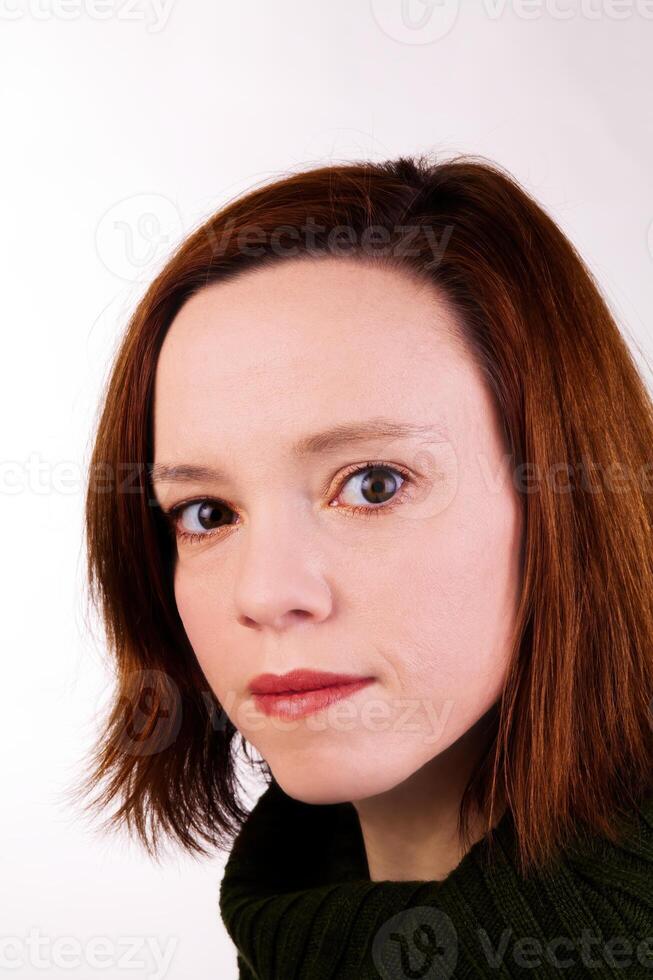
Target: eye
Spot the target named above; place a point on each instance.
(377, 483)
(199, 519)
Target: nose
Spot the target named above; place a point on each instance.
(280, 581)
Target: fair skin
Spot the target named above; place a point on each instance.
(421, 595)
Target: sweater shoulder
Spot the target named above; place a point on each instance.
(620, 871)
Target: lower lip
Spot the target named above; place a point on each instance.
(302, 703)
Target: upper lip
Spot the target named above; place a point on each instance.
(299, 680)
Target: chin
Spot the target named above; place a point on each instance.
(339, 786)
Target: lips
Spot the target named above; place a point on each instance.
(299, 680)
(302, 692)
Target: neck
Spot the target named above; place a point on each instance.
(411, 831)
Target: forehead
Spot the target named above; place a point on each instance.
(285, 317)
(317, 338)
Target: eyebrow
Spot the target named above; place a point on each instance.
(315, 444)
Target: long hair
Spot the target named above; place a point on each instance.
(571, 741)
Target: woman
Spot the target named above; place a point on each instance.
(451, 702)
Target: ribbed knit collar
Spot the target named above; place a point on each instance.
(297, 900)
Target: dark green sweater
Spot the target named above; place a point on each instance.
(297, 900)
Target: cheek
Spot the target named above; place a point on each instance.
(197, 595)
(454, 603)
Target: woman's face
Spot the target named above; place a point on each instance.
(417, 589)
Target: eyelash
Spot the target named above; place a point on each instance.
(173, 515)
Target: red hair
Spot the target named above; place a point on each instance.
(571, 740)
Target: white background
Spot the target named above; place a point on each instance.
(124, 126)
